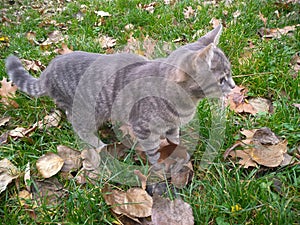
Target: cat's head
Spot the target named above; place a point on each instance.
(204, 69)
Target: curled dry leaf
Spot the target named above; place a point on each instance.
(64, 49)
(268, 155)
(49, 191)
(33, 65)
(102, 13)
(107, 42)
(8, 91)
(238, 102)
(49, 164)
(135, 202)
(21, 132)
(295, 63)
(24, 196)
(51, 120)
(189, 12)
(71, 157)
(215, 22)
(4, 121)
(8, 172)
(148, 7)
(165, 212)
(297, 105)
(262, 147)
(277, 32)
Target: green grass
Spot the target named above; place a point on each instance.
(212, 193)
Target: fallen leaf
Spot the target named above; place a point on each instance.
(71, 157)
(4, 121)
(295, 64)
(31, 37)
(64, 49)
(215, 22)
(24, 196)
(261, 105)
(21, 132)
(48, 192)
(107, 42)
(269, 155)
(129, 27)
(33, 65)
(189, 12)
(245, 158)
(102, 13)
(263, 18)
(261, 147)
(297, 105)
(55, 36)
(49, 164)
(142, 178)
(287, 160)
(8, 91)
(148, 7)
(265, 136)
(165, 212)
(135, 202)
(277, 32)
(8, 172)
(238, 102)
(51, 120)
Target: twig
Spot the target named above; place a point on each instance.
(253, 74)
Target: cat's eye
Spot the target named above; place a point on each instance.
(222, 80)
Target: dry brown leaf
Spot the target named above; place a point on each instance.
(102, 13)
(8, 91)
(262, 147)
(134, 203)
(166, 212)
(4, 121)
(31, 37)
(33, 65)
(268, 155)
(265, 136)
(49, 191)
(51, 120)
(71, 157)
(49, 164)
(24, 196)
(55, 36)
(64, 49)
(181, 178)
(215, 22)
(142, 178)
(297, 105)
(245, 158)
(295, 64)
(107, 42)
(189, 12)
(263, 18)
(277, 32)
(8, 172)
(21, 132)
(148, 7)
(238, 102)
(261, 105)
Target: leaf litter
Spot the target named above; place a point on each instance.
(261, 147)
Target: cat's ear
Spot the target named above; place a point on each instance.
(212, 37)
(206, 54)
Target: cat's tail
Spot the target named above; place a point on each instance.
(20, 77)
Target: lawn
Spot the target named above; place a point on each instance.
(226, 193)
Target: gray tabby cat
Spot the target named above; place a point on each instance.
(153, 97)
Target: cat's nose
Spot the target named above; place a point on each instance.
(231, 83)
